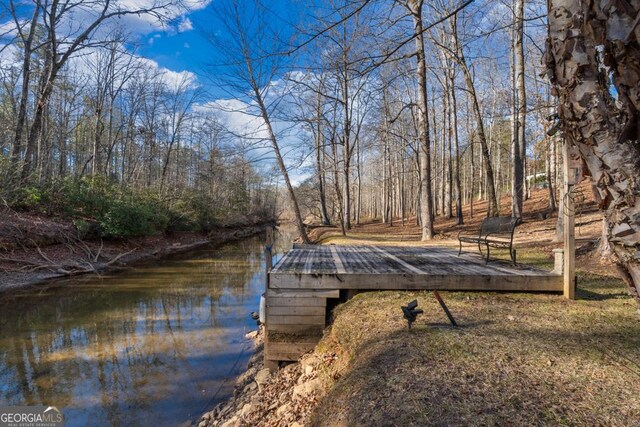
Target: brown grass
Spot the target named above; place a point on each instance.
(517, 359)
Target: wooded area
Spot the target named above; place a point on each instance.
(386, 110)
(93, 131)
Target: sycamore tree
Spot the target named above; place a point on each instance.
(593, 62)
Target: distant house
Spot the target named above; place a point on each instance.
(538, 180)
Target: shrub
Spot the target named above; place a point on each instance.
(123, 220)
(101, 208)
(33, 198)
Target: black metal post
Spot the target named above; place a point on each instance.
(444, 307)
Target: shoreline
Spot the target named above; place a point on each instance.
(282, 398)
(124, 254)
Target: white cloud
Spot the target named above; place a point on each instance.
(187, 46)
(249, 132)
(173, 79)
(152, 39)
(9, 56)
(185, 25)
(8, 29)
(238, 117)
(87, 63)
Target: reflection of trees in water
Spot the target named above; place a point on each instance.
(119, 342)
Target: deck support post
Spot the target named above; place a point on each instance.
(271, 365)
(268, 257)
(569, 223)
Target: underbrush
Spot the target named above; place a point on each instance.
(100, 208)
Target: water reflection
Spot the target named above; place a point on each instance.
(151, 346)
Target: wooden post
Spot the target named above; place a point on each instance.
(569, 224)
(558, 261)
(272, 365)
(268, 257)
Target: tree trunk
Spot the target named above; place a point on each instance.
(593, 54)
(359, 181)
(449, 176)
(520, 110)
(454, 127)
(548, 165)
(276, 149)
(490, 185)
(16, 149)
(426, 203)
(324, 215)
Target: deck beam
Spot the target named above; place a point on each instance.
(452, 282)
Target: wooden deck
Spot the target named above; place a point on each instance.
(302, 281)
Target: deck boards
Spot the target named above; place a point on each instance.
(332, 259)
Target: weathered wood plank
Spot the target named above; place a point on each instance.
(404, 264)
(294, 320)
(306, 330)
(298, 348)
(303, 293)
(295, 311)
(386, 259)
(336, 260)
(282, 357)
(297, 302)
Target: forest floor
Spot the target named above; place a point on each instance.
(516, 359)
(35, 248)
(537, 231)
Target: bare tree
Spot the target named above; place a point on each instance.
(484, 147)
(27, 37)
(426, 201)
(518, 148)
(59, 47)
(252, 63)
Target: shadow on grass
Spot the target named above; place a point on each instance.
(462, 324)
(600, 287)
(442, 376)
(585, 294)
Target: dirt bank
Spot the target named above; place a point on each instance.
(34, 249)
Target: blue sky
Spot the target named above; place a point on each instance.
(178, 49)
(185, 47)
(186, 50)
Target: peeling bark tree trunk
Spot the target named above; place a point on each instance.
(593, 61)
